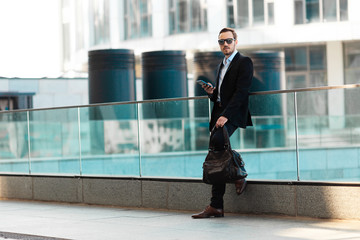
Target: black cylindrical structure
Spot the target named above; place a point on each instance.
(164, 74)
(268, 70)
(111, 79)
(269, 74)
(111, 75)
(205, 66)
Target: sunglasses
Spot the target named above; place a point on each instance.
(228, 41)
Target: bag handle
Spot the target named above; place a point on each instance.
(227, 144)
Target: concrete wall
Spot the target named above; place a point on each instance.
(308, 199)
(50, 92)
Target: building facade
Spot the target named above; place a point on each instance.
(320, 38)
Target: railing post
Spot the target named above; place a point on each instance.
(79, 138)
(28, 138)
(139, 140)
(296, 137)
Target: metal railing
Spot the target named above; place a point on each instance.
(301, 134)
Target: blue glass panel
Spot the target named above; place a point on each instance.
(54, 141)
(109, 140)
(14, 151)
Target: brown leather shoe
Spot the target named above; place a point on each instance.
(240, 186)
(209, 212)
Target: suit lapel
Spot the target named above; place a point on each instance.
(237, 55)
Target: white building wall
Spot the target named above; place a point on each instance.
(50, 92)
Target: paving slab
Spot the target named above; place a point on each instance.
(52, 221)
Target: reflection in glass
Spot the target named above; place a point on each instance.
(352, 106)
(174, 137)
(329, 10)
(187, 16)
(137, 18)
(296, 59)
(352, 62)
(196, 15)
(101, 22)
(258, 11)
(109, 140)
(312, 11)
(296, 81)
(343, 10)
(230, 14)
(299, 12)
(270, 14)
(14, 151)
(317, 57)
(243, 13)
(317, 79)
(54, 141)
(271, 141)
(329, 141)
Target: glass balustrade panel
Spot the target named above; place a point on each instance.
(174, 138)
(54, 141)
(14, 151)
(109, 140)
(329, 135)
(269, 146)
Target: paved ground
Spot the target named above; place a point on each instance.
(51, 221)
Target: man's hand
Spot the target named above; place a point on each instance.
(221, 121)
(208, 89)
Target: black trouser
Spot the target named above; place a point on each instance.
(218, 190)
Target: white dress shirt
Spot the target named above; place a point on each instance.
(226, 63)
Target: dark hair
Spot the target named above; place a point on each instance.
(229, 30)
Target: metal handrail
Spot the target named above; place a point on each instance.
(347, 86)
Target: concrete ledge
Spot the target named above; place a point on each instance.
(57, 189)
(309, 199)
(117, 192)
(16, 187)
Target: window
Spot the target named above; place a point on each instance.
(270, 11)
(310, 11)
(258, 11)
(244, 13)
(137, 19)
(352, 76)
(187, 16)
(343, 10)
(352, 62)
(306, 67)
(299, 12)
(329, 10)
(99, 15)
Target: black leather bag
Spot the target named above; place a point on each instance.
(223, 166)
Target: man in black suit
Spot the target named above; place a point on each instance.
(231, 99)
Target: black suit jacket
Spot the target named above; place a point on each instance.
(234, 93)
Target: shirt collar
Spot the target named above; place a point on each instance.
(225, 61)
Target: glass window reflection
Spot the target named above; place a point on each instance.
(137, 19)
(329, 10)
(187, 16)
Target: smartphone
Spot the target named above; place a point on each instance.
(202, 83)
